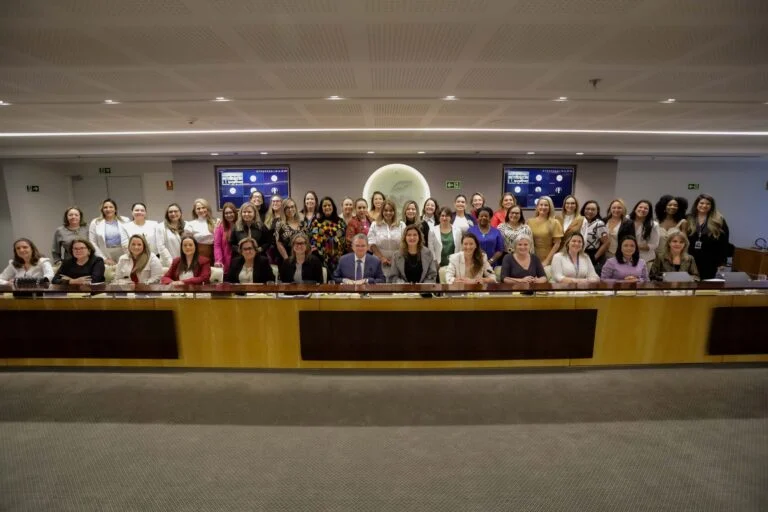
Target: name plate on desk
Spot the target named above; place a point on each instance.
(80, 334)
(446, 335)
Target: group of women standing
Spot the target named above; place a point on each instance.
(470, 240)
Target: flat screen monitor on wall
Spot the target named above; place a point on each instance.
(235, 184)
(528, 183)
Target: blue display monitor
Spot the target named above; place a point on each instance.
(235, 184)
(530, 183)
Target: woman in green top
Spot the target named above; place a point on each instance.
(444, 238)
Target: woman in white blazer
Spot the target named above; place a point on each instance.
(139, 226)
(26, 263)
(435, 242)
(571, 264)
(470, 265)
(139, 266)
(105, 233)
(169, 234)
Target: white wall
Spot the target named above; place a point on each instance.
(153, 177)
(6, 225)
(35, 215)
(340, 178)
(738, 186)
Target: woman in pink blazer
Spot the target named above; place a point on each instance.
(222, 250)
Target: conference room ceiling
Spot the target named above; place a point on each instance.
(393, 62)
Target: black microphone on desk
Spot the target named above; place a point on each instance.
(761, 243)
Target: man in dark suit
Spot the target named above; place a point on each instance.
(359, 267)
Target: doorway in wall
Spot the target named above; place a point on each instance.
(90, 192)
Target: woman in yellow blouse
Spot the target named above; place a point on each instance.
(547, 232)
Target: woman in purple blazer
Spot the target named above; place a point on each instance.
(627, 264)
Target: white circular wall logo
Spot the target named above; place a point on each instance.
(273, 178)
(252, 178)
(253, 189)
(398, 182)
(232, 190)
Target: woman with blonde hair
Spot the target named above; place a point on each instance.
(222, 250)
(139, 266)
(203, 226)
(413, 263)
(674, 257)
(570, 219)
(347, 210)
(708, 235)
(104, 232)
(249, 225)
(547, 232)
(385, 234)
(410, 213)
(73, 226)
(275, 212)
(521, 265)
(289, 226)
(571, 264)
(616, 216)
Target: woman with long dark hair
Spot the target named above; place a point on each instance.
(222, 250)
(627, 265)
(670, 214)
(27, 263)
(413, 263)
(169, 233)
(189, 267)
(327, 234)
(470, 265)
(708, 235)
(73, 226)
(645, 230)
(596, 240)
(302, 266)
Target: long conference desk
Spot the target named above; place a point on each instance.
(383, 326)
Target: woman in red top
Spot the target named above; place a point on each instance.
(190, 267)
(500, 216)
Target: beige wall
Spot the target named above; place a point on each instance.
(340, 178)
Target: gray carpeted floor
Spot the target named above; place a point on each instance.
(591, 440)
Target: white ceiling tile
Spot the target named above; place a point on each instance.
(537, 43)
(417, 42)
(266, 110)
(454, 122)
(61, 46)
(500, 78)
(400, 109)
(324, 79)
(537, 109)
(749, 49)
(416, 78)
(651, 44)
(220, 80)
(273, 7)
(464, 108)
(341, 122)
(207, 109)
(334, 108)
(593, 110)
(687, 10)
(755, 82)
(22, 8)
(426, 6)
(175, 44)
(48, 82)
(673, 83)
(397, 122)
(576, 80)
(296, 43)
(286, 122)
(136, 81)
(575, 7)
(118, 8)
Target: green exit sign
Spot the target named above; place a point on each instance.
(105, 170)
(453, 185)
(693, 186)
(33, 188)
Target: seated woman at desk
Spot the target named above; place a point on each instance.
(470, 266)
(139, 266)
(84, 267)
(249, 266)
(190, 267)
(413, 263)
(627, 265)
(301, 266)
(572, 265)
(26, 263)
(674, 258)
(521, 265)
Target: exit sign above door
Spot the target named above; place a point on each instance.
(105, 170)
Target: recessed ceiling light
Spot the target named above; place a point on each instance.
(4, 103)
(668, 101)
(450, 98)
(371, 152)
(421, 152)
(531, 153)
(111, 102)
(264, 153)
(579, 153)
(214, 154)
(334, 98)
(221, 99)
(561, 99)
